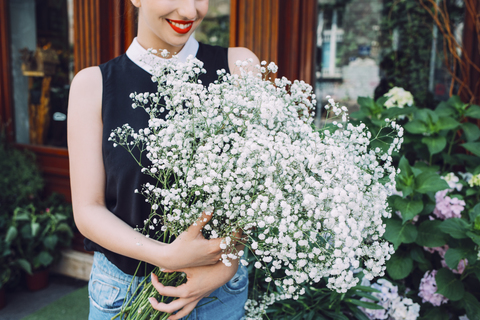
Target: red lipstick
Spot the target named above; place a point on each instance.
(181, 26)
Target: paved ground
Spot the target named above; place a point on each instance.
(22, 302)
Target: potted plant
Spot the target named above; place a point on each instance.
(10, 264)
(37, 236)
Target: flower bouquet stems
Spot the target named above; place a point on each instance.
(138, 307)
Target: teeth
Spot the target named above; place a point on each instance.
(181, 26)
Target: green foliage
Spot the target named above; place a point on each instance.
(438, 141)
(36, 236)
(20, 178)
(214, 31)
(408, 64)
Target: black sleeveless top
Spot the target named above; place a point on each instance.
(121, 76)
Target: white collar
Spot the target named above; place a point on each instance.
(138, 54)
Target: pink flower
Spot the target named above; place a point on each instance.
(428, 287)
(447, 207)
(441, 252)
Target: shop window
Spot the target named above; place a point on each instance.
(42, 69)
(215, 27)
(365, 47)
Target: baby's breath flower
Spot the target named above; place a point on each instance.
(309, 203)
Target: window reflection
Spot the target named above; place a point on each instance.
(42, 69)
(366, 47)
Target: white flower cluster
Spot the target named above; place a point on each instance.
(395, 306)
(398, 97)
(310, 204)
(256, 309)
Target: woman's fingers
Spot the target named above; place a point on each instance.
(185, 311)
(168, 307)
(184, 305)
(169, 291)
(200, 223)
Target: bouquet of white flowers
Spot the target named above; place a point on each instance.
(310, 204)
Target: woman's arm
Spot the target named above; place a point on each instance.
(242, 54)
(87, 178)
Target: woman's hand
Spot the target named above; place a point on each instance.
(191, 249)
(201, 282)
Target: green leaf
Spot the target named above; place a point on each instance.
(475, 212)
(365, 289)
(453, 257)
(429, 182)
(475, 237)
(22, 216)
(399, 266)
(435, 144)
(25, 265)
(50, 242)
(430, 235)
(473, 147)
(472, 306)
(456, 227)
(359, 115)
(415, 127)
(381, 101)
(44, 258)
(425, 167)
(456, 102)
(35, 228)
(398, 233)
(471, 131)
(366, 102)
(446, 123)
(405, 179)
(408, 208)
(444, 109)
(418, 255)
(367, 295)
(435, 314)
(473, 112)
(60, 217)
(427, 116)
(394, 112)
(65, 228)
(404, 166)
(11, 234)
(357, 313)
(448, 285)
(365, 304)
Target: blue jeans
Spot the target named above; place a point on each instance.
(108, 286)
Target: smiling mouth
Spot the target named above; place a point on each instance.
(180, 26)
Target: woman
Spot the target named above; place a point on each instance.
(104, 178)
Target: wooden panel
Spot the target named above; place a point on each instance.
(87, 33)
(74, 264)
(255, 26)
(6, 110)
(296, 45)
(54, 165)
(282, 31)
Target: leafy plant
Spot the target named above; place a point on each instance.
(437, 225)
(20, 178)
(36, 237)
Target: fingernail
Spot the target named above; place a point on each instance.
(152, 300)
